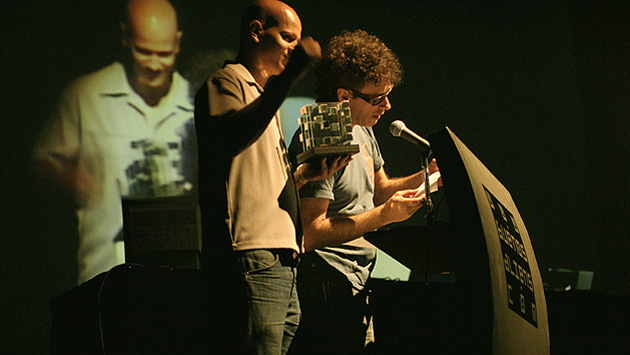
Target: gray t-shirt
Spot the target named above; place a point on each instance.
(351, 191)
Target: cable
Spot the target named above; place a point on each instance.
(100, 318)
(431, 223)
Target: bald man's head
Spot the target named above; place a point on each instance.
(270, 30)
(268, 12)
(152, 36)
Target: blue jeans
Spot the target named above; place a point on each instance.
(274, 310)
(334, 316)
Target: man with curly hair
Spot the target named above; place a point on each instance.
(357, 199)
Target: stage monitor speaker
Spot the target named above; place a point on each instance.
(162, 231)
(135, 310)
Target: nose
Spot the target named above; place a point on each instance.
(154, 63)
(386, 104)
(294, 44)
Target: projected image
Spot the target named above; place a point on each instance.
(125, 130)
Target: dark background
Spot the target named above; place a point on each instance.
(538, 90)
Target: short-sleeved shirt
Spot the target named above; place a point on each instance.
(244, 196)
(351, 191)
(124, 147)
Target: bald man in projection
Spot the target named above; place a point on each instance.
(123, 131)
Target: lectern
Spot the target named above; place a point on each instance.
(495, 301)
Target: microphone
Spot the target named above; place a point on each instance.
(398, 129)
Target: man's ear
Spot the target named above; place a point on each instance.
(124, 34)
(178, 40)
(255, 29)
(343, 94)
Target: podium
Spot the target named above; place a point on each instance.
(495, 303)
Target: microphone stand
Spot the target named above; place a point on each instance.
(429, 209)
(429, 213)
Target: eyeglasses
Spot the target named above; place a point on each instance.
(372, 100)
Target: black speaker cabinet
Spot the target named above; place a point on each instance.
(135, 310)
(162, 231)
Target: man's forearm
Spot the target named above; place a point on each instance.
(339, 230)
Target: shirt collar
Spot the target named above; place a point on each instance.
(118, 86)
(242, 71)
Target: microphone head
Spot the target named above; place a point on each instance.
(396, 128)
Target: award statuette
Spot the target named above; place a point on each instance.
(326, 130)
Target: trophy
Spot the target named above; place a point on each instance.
(326, 130)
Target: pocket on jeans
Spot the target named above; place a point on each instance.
(258, 260)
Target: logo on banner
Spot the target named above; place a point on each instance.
(518, 276)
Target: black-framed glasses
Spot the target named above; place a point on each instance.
(372, 100)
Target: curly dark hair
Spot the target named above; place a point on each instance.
(351, 59)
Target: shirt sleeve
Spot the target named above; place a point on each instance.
(320, 189)
(224, 96)
(218, 98)
(376, 150)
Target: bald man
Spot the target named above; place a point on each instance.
(151, 34)
(122, 131)
(247, 190)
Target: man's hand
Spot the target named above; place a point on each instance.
(75, 176)
(305, 53)
(402, 205)
(433, 167)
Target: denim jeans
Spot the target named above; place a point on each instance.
(273, 310)
(335, 316)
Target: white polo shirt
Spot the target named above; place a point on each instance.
(123, 147)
